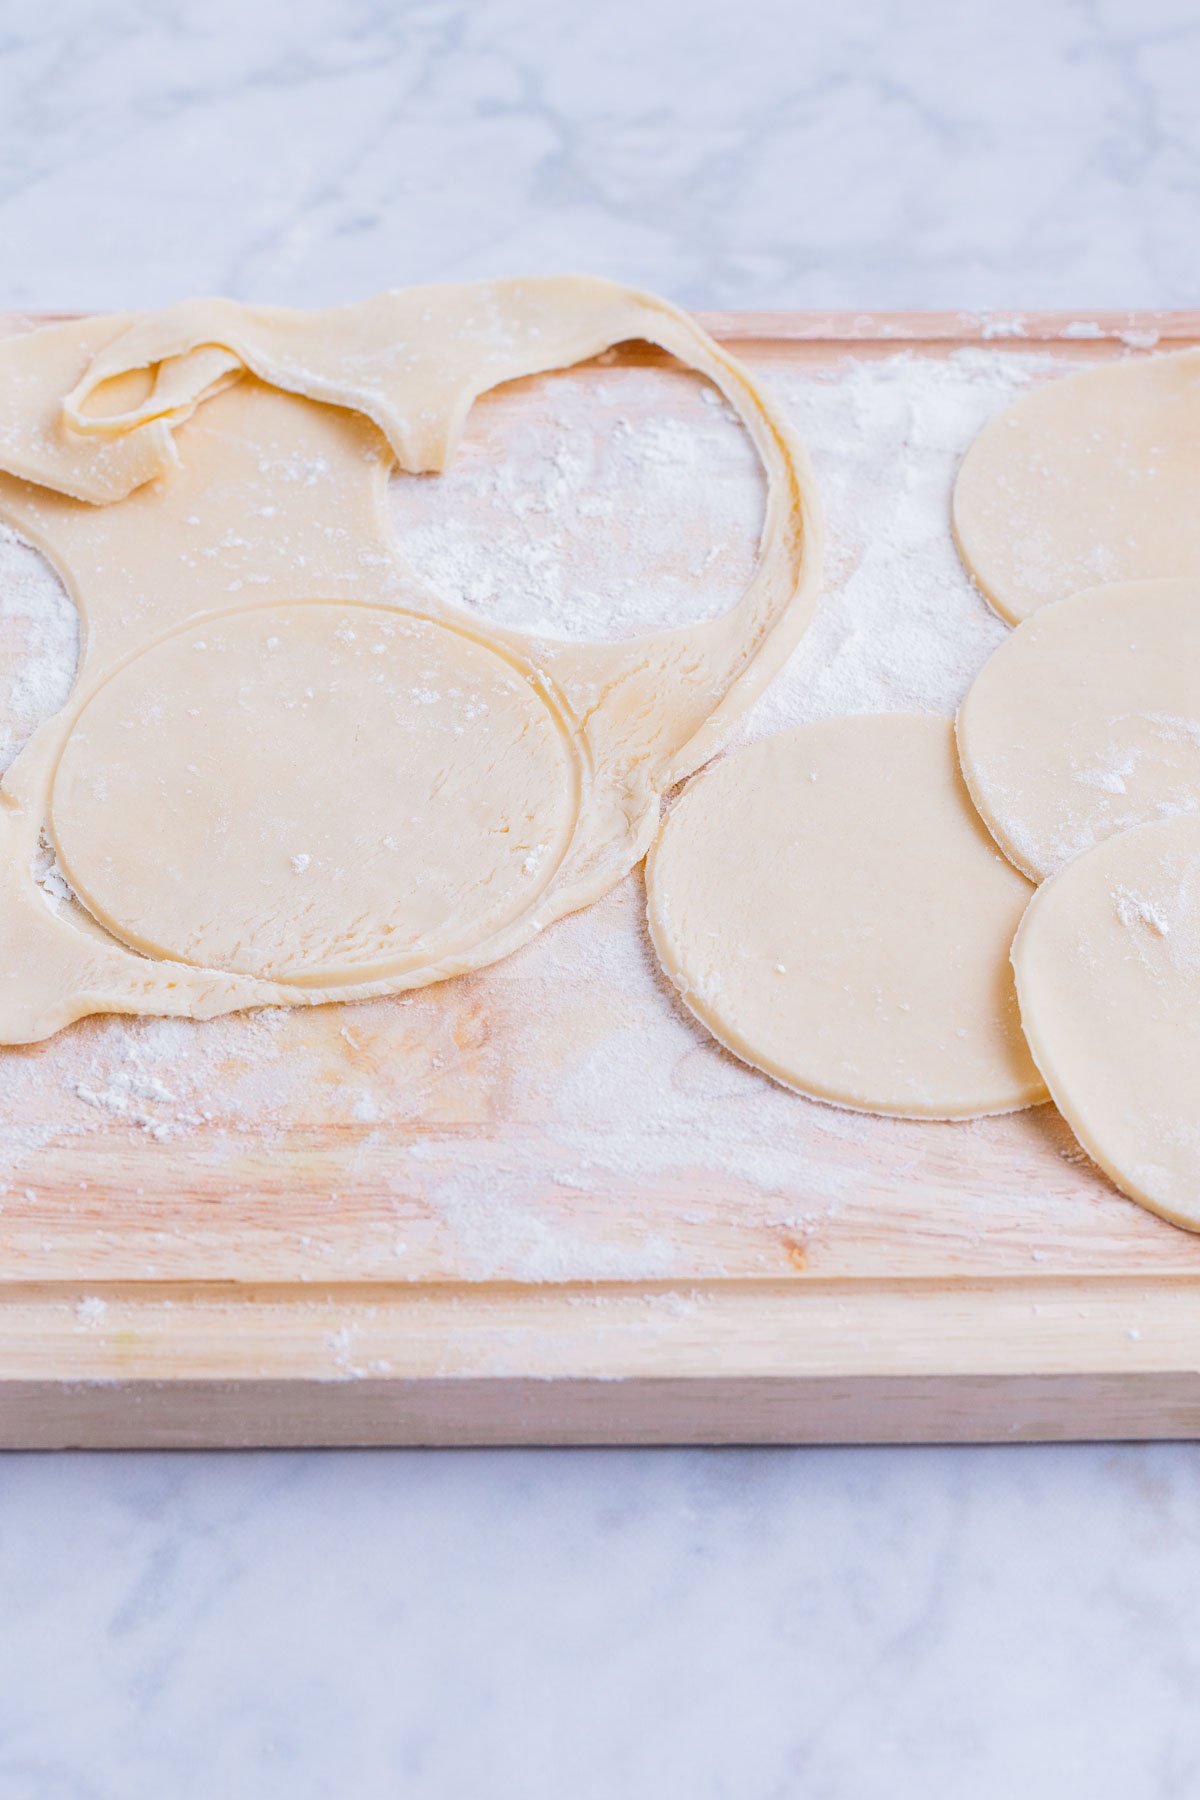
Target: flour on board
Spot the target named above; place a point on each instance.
(571, 1060)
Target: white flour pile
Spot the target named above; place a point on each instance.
(39, 643)
(571, 1062)
(558, 525)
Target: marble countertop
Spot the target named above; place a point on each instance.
(750, 1624)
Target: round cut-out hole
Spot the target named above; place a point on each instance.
(39, 644)
(600, 502)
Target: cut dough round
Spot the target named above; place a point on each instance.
(1087, 480)
(195, 820)
(1087, 721)
(1107, 964)
(829, 905)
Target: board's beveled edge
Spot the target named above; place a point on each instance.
(555, 1367)
(947, 1409)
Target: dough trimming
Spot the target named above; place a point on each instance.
(216, 460)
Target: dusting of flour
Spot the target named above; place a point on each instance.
(636, 500)
(900, 628)
(594, 505)
(39, 643)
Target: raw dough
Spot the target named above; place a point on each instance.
(439, 804)
(1087, 480)
(1087, 721)
(1107, 963)
(218, 460)
(829, 905)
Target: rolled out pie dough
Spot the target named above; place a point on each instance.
(290, 771)
(828, 904)
(1088, 480)
(1107, 964)
(1087, 721)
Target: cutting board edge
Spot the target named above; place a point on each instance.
(469, 1411)
(731, 1363)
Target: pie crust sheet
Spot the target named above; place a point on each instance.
(290, 770)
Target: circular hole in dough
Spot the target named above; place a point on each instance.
(313, 792)
(594, 503)
(828, 903)
(39, 643)
(1107, 965)
(1087, 721)
(1088, 480)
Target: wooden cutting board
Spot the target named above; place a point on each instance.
(538, 1205)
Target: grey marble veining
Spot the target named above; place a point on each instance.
(756, 1625)
(667, 1626)
(781, 153)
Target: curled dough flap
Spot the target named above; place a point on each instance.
(412, 360)
(37, 442)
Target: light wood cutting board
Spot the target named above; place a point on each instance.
(538, 1205)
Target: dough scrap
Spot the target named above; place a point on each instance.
(1107, 964)
(1086, 721)
(215, 460)
(1086, 481)
(828, 904)
(34, 444)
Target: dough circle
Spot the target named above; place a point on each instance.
(313, 792)
(1107, 963)
(1086, 721)
(1087, 480)
(830, 907)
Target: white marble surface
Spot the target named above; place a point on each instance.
(744, 1624)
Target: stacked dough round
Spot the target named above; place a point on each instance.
(830, 904)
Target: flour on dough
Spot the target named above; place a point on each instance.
(1088, 480)
(828, 904)
(1107, 965)
(439, 806)
(290, 770)
(1087, 721)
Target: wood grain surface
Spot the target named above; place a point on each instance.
(411, 1221)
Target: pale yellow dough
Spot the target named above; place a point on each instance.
(1087, 721)
(435, 802)
(290, 771)
(1107, 965)
(1088, 480)
(828, 904)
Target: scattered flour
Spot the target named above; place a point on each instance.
(900, 627)
(570, 1068)
(638, 503)
(1135, 909)
(39, 643)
